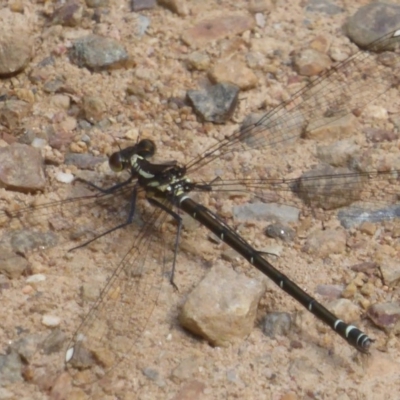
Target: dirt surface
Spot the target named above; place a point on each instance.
(144, 97)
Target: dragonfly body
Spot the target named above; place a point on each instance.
(163, 182)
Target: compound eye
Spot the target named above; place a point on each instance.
(116, 162)
(146, 148)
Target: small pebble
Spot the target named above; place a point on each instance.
(280, 231)
(198, 61)
(97, 53)
(28, 289)
(330, 291)
(216, 103)
(51, 321)
(349, 291)
(323, 6)
(368, 289)
(36, 278)
(277, 323)
(64, 177)
(39, 143)
(139, 5)
(235, 72)
(311, 62)
(368, 228)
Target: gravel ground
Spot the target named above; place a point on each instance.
(78, 108)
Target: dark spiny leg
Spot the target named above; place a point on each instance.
(127, 222)
(109, 190)
(178, 219)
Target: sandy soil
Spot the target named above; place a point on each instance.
(324, 366)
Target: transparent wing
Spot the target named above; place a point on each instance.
(33, 223)
(347, 87)
(130, 261)
(118, 317)
(373, 189)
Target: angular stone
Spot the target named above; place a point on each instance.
(26, 347)
(377, 135)
(69, 14)
(390, 271)
(228, 306)
(179, 7)
(367, 267)
(23, 241)
(311, 62)
(13, 112)
(13, 266)
(16, 50)
(235, 72)
(21, 168)
(386, 316)
(97, 53)
(258, 210)
(218, 28)
(10, 368)
(330, 292)
(216, 103)
(139, 5)
(352, 216)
